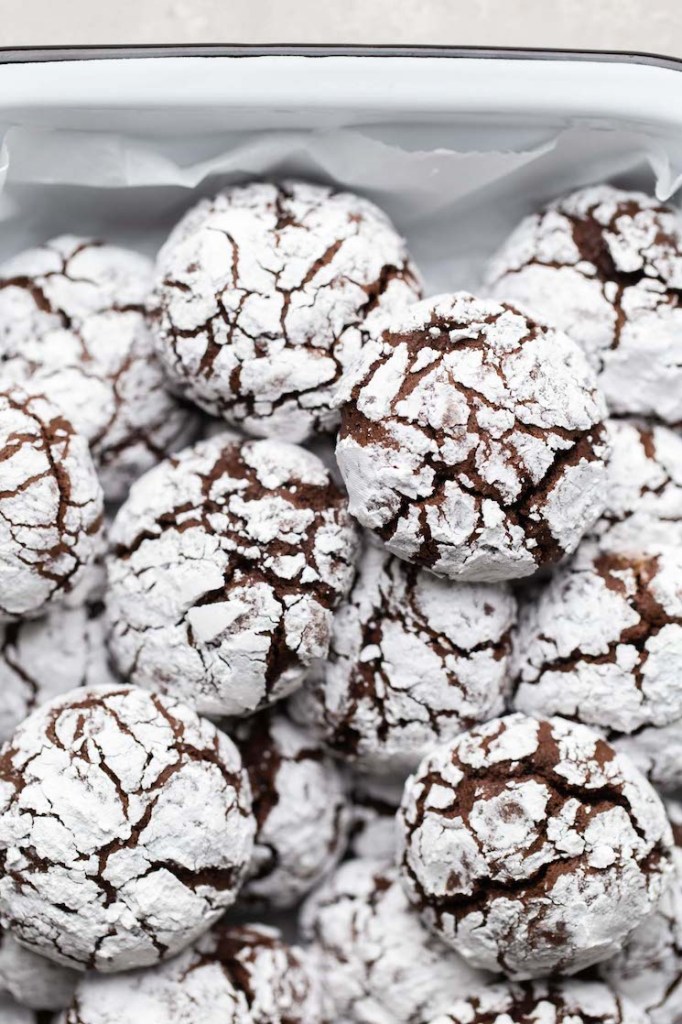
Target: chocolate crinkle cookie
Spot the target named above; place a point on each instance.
(606, 266)
(261, 298)
(33, 980)
(472, 440)
(648, 971)
(544, 1002)
(644, 485)
(379, 963)
(301, 809)
(413, 661)
(125, 828)
(532, 846)
(234, 975)
(72, 325)
(226, 564)
(51, 506)
(42, 658)
(602, 644)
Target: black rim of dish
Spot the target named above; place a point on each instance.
(30, 54)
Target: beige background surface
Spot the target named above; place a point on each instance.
(650, 25)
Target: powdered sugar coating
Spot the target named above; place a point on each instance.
(602, 644)
(544, 1002)
(413, 661)
(301, 809)
(42, 658)
(72, 326)
(532, 846)
(379, 963)
(648, 971)
(237, 975)
(226, 564)
(125, 828)
(50, 506)
(606, 266)
(33, 980)
(471, 440)
(261, 298)
(644, 486)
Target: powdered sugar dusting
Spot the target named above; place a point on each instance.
(125, 828)
(237, 975)
(539, 1002)
(380, 964)
(261, 298)
(648, 971)
(66, 647)
(413, 661)
(226, 564)
(532, 846)
(471, 440)
(50, 506)
(301, 808)
(72, 325)
(602, 643)
(606, 266)
(644, 486)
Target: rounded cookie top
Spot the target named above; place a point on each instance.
(602, 644)
(532, 846)
(42, 658)
(261, 297)
(125, 828)
(648, 971)
(235, 975)
(300, 805)
(226, 564)
(72, 325)
(50, 506)
(561, 1002)
(644, 486)
(379, 963)
(605, 265)
(413, 661)
(472, 440)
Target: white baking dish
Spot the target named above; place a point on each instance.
(456, 145)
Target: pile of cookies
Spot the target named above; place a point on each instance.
(341, 628)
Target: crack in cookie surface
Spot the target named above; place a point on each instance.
(648, 971)
(601, 644)
(301, 808)
(532, 846)
(380, 963)
(125, 828)
(237, 975)
(50, 505)
(562, 1002)
(261, 298)
(413, 661)
(472, 440)
(72, 324)
(226, 565)
(605, 265)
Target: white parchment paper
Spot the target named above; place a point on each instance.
(453, 202)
